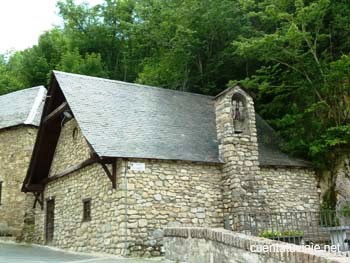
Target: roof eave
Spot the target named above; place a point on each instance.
(301, 166)
(18, 125)
(165, 159)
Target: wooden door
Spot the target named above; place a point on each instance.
(50, 219)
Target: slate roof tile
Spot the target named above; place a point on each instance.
(22, 107)
(122, 119)
(129, 120)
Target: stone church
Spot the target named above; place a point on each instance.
(114, 163)
(20, 114)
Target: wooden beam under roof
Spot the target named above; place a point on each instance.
(35, 188)
(46, 142)
(56, 112)
(38, 199)
(71, 169)
(112, 175)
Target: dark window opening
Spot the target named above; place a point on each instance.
(75, 133)
(50, 219)
(86, 210)
(0, 193)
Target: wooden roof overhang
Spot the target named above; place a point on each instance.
(47, 138)
(50, 127)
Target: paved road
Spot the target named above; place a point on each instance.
(14, 253)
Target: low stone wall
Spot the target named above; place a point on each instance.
(207, 245)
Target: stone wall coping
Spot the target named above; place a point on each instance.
(291, 252)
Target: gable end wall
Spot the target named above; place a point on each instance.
(71, 149)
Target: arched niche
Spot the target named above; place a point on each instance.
(240, 118)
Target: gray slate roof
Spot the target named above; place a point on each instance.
(122, 119)
(22, 107)
(129, 120)
(269, 147)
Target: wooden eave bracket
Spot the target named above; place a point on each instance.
(112, 175)
(34, 187)
(56, 112)
(39, 198)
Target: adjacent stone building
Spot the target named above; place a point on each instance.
(20, 114)
(115, 162)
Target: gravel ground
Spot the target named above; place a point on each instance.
(17, 253)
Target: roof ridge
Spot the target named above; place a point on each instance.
(34, 110)
(22, 90)
(133, 84)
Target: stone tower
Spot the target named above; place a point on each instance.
(238, 148)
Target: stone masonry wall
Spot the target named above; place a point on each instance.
(242, 189)
(74, 150)
(248, 187)
(291, 189)
(129, 219)
(16, 145)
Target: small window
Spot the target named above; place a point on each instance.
(75, 133)
(86, 210)
(0, 193)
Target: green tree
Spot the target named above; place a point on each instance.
(294, 55)
(104, 30)
(189, 43)
(303, 86)
(8, 80)
(90, 64)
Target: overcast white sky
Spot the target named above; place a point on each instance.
(22, 21)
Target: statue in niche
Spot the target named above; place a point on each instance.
(239, 114)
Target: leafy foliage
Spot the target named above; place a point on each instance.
(294, 55)
(345, 211)
(303, 86)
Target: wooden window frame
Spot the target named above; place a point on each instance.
(86, 217)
